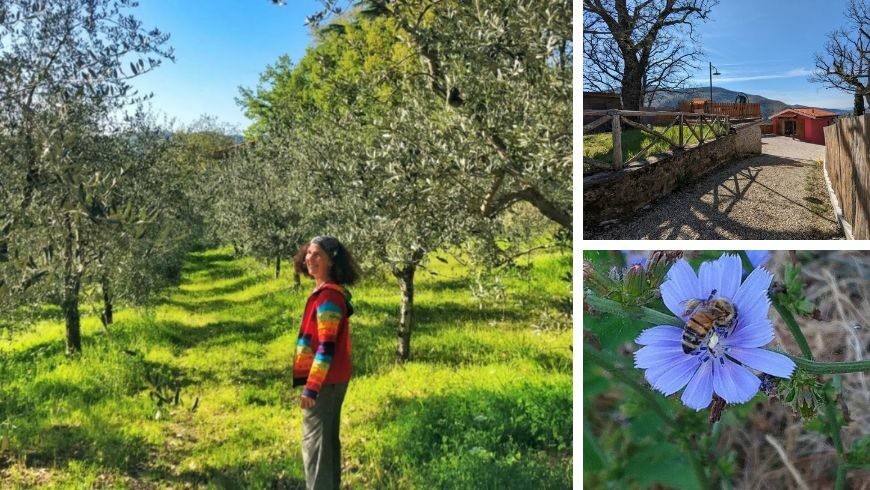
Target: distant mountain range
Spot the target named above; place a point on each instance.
(768, 106)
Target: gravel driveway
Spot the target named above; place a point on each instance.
(777, 195)
(791, 148)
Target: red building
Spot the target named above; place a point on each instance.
(804, 123)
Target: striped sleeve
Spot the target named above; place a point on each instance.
(329, 314)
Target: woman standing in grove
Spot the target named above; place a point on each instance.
(322, 359)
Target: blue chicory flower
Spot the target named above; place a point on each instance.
(720, 363)
(636, 257)
(758, 257)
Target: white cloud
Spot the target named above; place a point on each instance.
(831, 99)
(794, 73)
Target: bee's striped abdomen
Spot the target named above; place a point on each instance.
(695, 331)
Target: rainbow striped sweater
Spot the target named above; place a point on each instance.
(323, 347)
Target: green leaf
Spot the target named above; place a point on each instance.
(661, 463)
(612, 330)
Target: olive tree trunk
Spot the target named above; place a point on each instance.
(108, 307)
(72, 282)
(405, 275)
(277, 266)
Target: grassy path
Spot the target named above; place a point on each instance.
(486, 399)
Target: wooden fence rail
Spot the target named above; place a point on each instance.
(847, 161)
(735, 111)
(706, 124)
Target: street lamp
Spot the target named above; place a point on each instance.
(711, 81)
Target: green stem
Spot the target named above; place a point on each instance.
(592, 441)
(795, 330)
(831, 415)
(610, 367)
(642, 313)
(815, 367)
(692, 452)
(840, 484)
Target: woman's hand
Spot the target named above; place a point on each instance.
(306, 402)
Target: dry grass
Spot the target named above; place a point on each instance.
(839, 284)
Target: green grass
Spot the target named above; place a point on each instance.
(818, 200)
(600, 146)
(485, 401)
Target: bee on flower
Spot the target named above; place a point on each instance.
(726, 340)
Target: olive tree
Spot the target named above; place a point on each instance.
(258, 206)
(504, 69)
(367, 151)
(64, 76)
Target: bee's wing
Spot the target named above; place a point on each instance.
(690, 305)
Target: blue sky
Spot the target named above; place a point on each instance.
(219, 45)
(766, 47)
(762, 47)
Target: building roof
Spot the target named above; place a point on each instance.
(810, 112)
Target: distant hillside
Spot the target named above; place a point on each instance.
(768, 106)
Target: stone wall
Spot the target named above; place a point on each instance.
(617, 194)
(749, 140)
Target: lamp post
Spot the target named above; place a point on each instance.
(711, 82)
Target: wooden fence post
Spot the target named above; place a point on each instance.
(617, 141)
(681, 130)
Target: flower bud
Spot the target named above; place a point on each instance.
(634, 282)
(659, 264)
(596, 281)
(803, 393)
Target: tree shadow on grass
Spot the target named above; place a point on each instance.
(271, 474)
(428, 316)
(207, 260)
(221, 333)
(439, 285)
(104, 445)
(239, 284)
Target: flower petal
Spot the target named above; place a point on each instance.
(663, 334)
(757, 257)
(755, 334)
(751, 299)
(636, 257)
(658, 355)
(722, 275)
(699, 391)
(682, 285)
(672, 378)
(733, 382)
(772, 363)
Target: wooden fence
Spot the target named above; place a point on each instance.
(847, 160)
(734, 111)
(707, 125)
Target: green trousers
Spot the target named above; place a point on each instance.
(321, 447)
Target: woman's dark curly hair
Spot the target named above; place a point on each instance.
(344, 271)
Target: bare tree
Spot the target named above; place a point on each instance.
(845, 64)
(639, 48)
